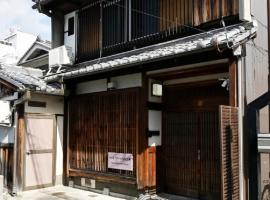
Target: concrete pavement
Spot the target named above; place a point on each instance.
(59, 193)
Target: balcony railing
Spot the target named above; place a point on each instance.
(110, 26)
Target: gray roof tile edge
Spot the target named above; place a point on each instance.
(25, 82)
(233, 34)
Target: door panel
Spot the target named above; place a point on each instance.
(191, 140)
(180, 153)
(39, 151)
(191, 153)
(38, 169)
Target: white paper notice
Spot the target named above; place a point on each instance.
(122, 161)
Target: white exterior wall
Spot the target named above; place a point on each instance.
(54, 104)
(256, 72)
(126, 81)
(256, 66)
(21, 42)
(70, 40)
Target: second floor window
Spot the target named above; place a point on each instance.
(70, 26)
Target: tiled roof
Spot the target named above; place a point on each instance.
(232, 36)
(27, 79)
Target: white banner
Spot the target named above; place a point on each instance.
(122, 161)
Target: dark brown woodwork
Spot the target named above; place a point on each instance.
(20, 146)
(190, 161)
(101, 123)
(229, 152)
(233, 82)
(102, 177)
(104, 27)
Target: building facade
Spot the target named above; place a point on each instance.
(156, 98)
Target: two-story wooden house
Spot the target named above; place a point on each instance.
(156, 96)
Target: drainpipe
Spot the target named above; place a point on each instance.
(240, 129)
(244, 10)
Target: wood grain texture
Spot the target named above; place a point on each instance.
(190, 153)
(229, 152)
(102, 123)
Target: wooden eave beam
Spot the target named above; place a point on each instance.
(8, 85)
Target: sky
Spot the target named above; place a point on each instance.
(18, 14)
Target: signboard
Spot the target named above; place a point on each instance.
(122, 161)
(5, 114)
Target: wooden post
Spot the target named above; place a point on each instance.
(233, 82)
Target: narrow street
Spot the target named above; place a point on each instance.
(59, 193)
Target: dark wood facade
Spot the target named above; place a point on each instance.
(102, 123)
(188, 162)
(112, 26)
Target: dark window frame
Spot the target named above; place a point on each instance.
(71, 26)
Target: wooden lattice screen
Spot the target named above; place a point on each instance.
(100, 123)
(229, 152)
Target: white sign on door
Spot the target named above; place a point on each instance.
(122, 161)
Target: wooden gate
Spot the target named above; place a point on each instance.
(39, 151)
(101, 123)
(191, 153)
(191, 140)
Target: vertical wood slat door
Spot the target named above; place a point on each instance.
(229, 152)
(180, 154)
(39, 152)
(191, 153)
(101, 123)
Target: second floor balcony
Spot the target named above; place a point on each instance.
(106, 27)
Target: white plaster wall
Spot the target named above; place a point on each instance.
(155, 124)
(92, 86)
(59, 148)
(69, 40)
(21, 42)
(256, 61)
(54, 104)
(126, 81)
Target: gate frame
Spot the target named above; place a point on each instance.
(39, 116)
(253, 125)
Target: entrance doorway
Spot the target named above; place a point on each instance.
(39, 152)
(190, 152)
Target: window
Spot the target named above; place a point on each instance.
(71, 26)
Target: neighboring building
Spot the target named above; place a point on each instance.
(31, 129)
(156, 99)
(25, 97)
(14, 46)
(37, 56)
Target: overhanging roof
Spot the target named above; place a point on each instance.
(26, 79)
(231, 37)
(37, 56)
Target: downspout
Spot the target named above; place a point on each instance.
(240, 129)
(244, 10)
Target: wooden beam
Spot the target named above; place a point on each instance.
(103, 177)
(233, 82)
